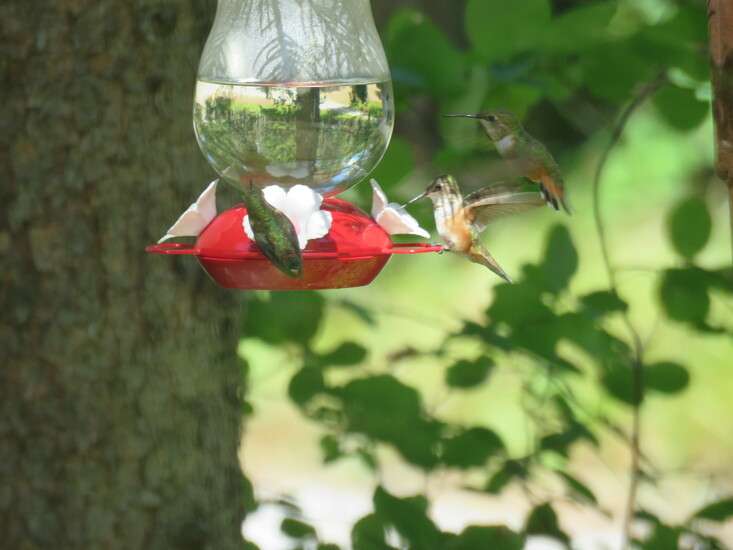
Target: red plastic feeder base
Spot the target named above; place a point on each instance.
(351, 255)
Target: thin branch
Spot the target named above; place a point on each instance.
(637, 363)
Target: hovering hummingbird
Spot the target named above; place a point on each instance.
(460, 220)
(273, 231)
(529, 156)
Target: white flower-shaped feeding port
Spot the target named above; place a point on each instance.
(302, 206)
(392, 217)
(195, 219)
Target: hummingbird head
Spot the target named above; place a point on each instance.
(498, 124)
(293, 265)
(442, 188)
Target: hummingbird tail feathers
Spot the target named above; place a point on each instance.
(554, 194)
(479, 255)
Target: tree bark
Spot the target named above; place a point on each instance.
(119, 381)
(720, 20)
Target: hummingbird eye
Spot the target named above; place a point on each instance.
(491, 118)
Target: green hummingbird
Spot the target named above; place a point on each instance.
(529, 157)
(273, 231)
(460, 220)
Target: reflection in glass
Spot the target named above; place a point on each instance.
(329, 137)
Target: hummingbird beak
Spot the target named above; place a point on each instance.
(420, 196)
(461, 115)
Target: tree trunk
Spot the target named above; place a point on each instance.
(720, 18)
(119, 400)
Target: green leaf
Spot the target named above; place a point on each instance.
(578, 489)
(561, 259)
(384, 409)
(346, 355)
(327, 546)
(469, 374)
(510, 470)
(285, 317)
(684, 295)
(617, 380)
(666, 377)
(662, 538)
(490, 537)
(409, 516)
(358, 310)
(602, 303)
(689, 226)
(721, 510)
(331, 448)
(421, 56)
(499, 29)
(561, 442)
(680, 108)
(397, 164)
(579, 28)
(543, 521)
(297, 529)
(471, 448)
(368, 534)
(612, 71)
(305, 385)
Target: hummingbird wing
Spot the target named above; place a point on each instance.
(486, 205)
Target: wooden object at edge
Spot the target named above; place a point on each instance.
(720, 25)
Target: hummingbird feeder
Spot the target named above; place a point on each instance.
(294, 97)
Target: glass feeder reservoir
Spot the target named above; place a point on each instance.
(294, 92)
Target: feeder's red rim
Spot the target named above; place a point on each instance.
(184, 249)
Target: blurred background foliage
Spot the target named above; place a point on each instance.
(440, 379)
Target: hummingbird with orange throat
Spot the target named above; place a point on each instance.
(460, 221)
(528, 156)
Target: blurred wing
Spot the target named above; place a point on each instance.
(486, 205)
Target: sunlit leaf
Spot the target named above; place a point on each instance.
(542, 520)
(305, 385)
(285, 317)
(721, 510)
(469, 374)
(689, 226)
(498, 29)
(490, 537)
(471, 448)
